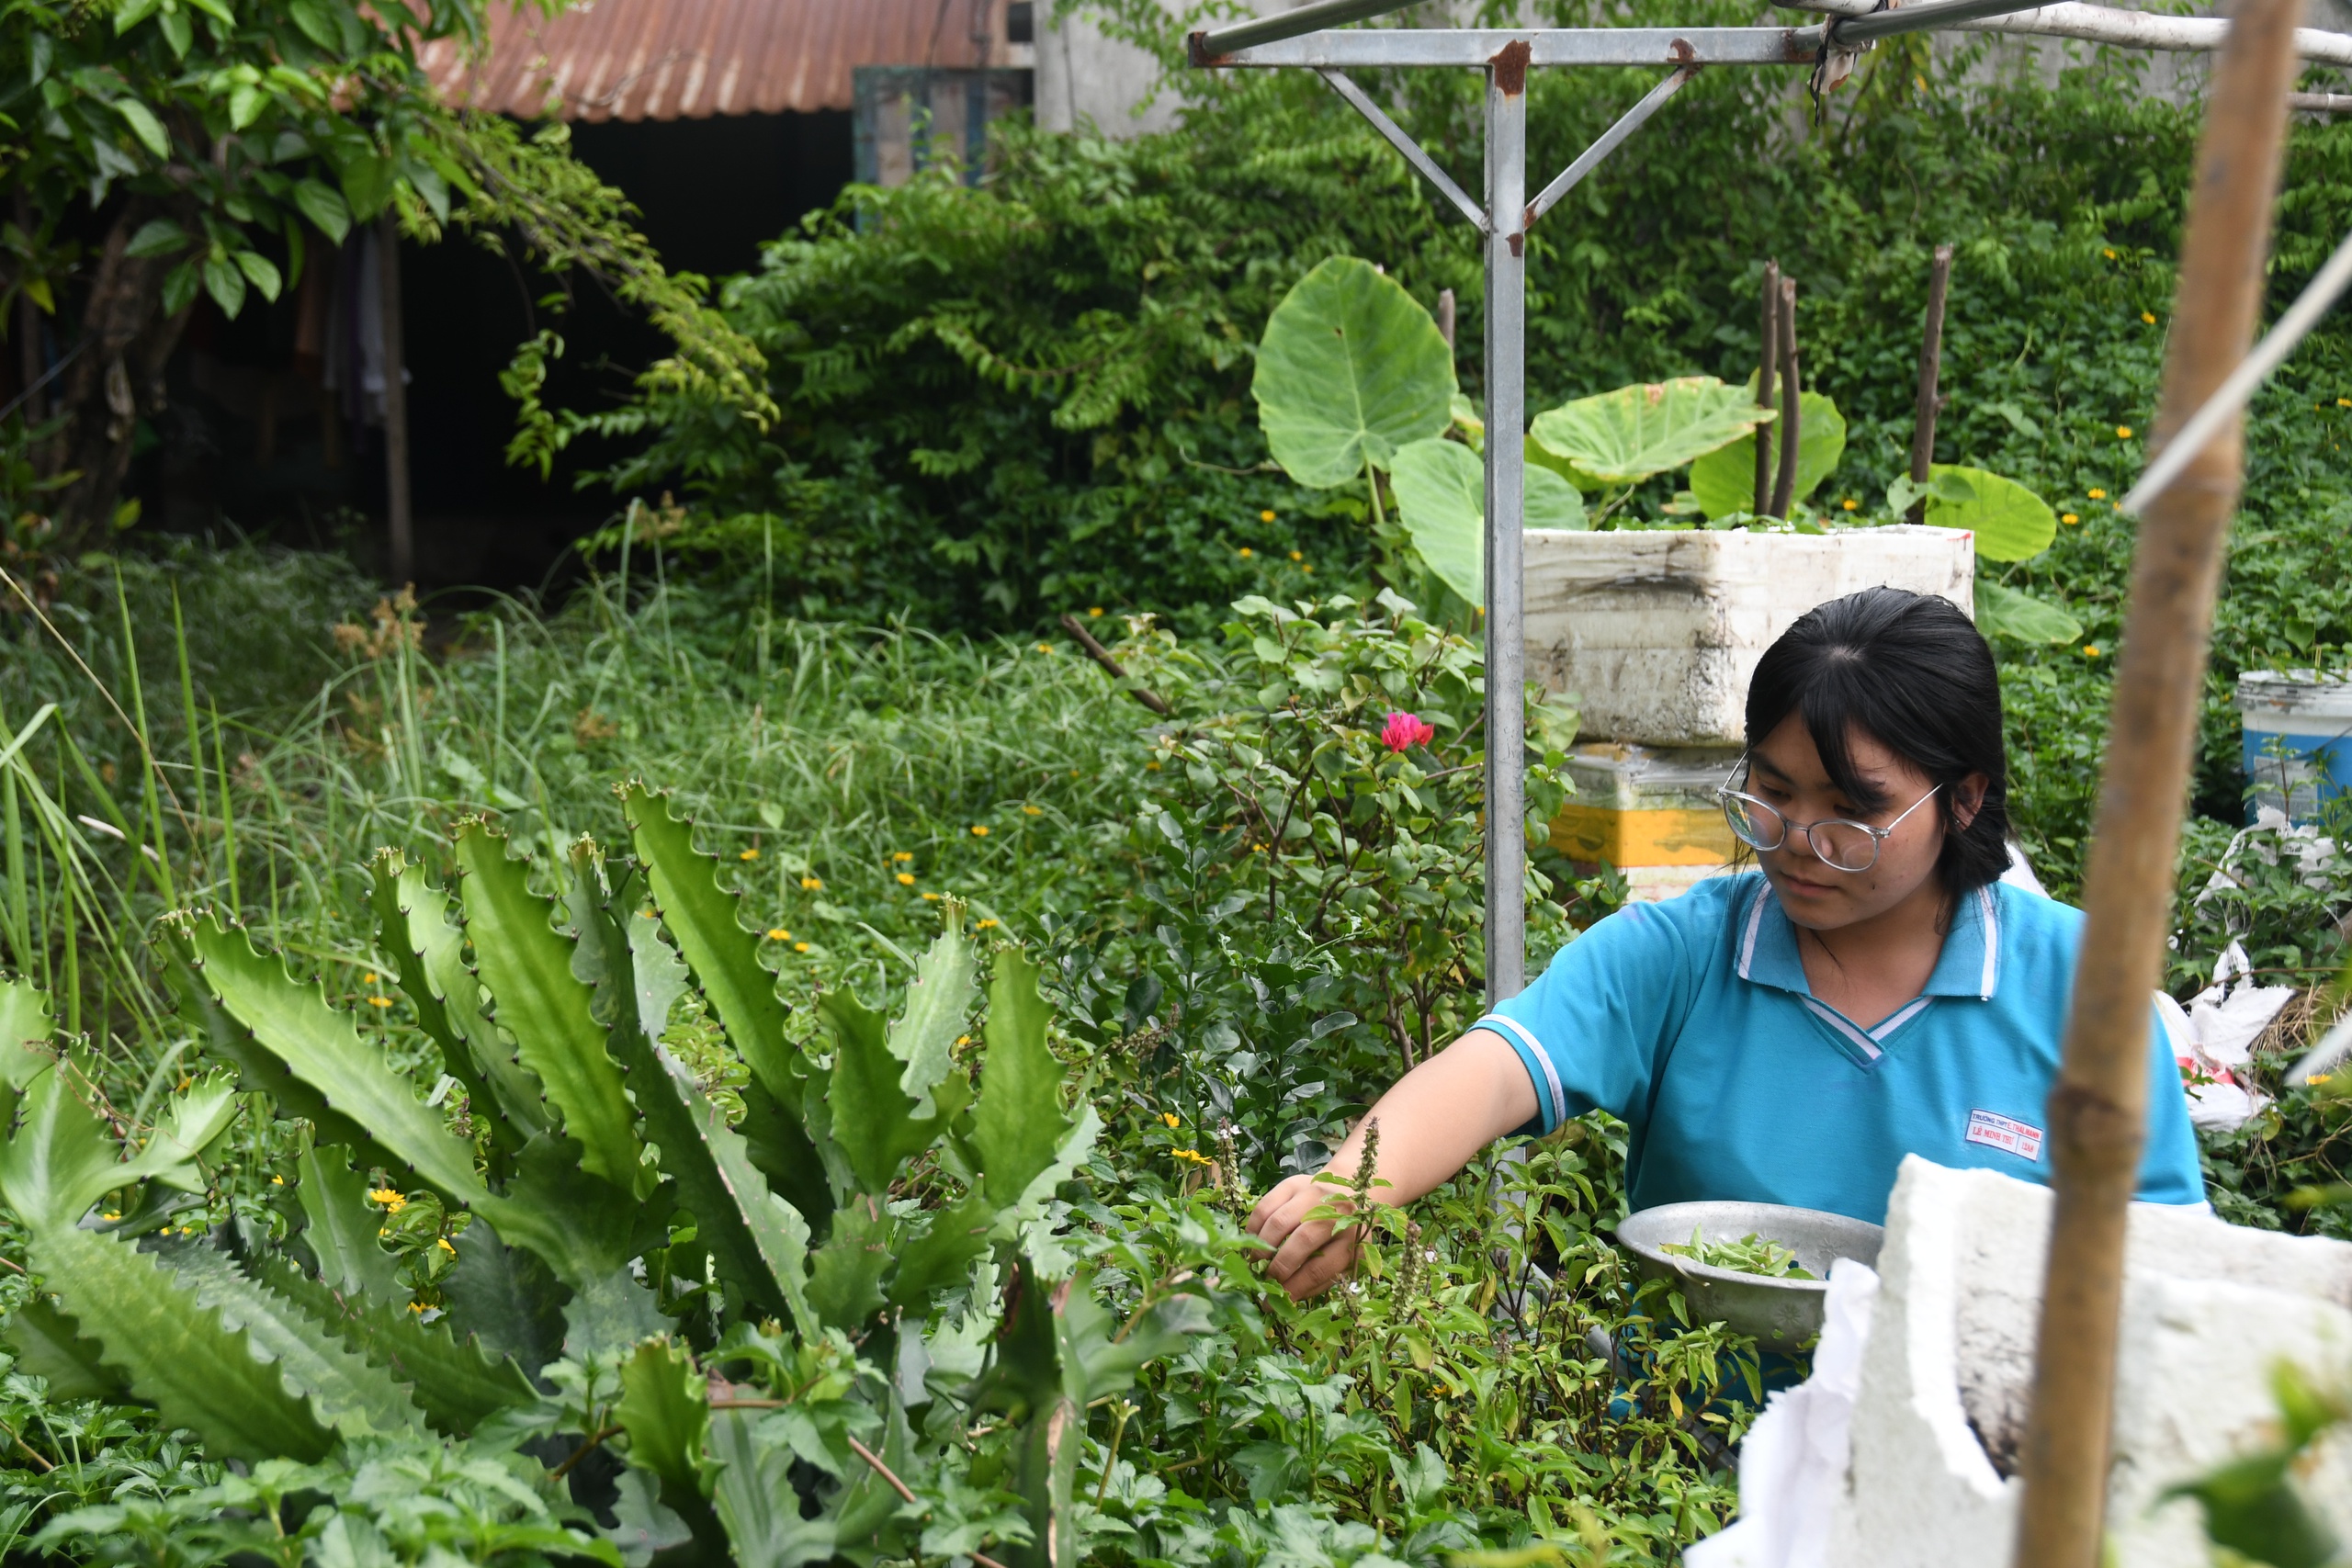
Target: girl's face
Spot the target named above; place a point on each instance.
(1786, 772)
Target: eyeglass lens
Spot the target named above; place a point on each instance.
(1843, 846)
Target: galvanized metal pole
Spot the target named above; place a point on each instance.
(1506, 370)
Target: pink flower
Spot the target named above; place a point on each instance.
(1403, 732)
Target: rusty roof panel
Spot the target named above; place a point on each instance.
(636, 60)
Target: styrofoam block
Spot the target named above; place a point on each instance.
(1658, 632)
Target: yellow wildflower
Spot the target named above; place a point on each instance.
(906, 879)
(417, 1307)
(1247, 552)
(392, 1200)
(1266, 516)
(278, 1182)
(1308, 570)
(1044, 647)
(800, 947)
(2149, 316)
(978, 831)
(443, 1243)
(982, 925)
(1298, 555)
(902, 856)
(379, 1002)
(811, 884)
(2090, 650)
(1032, 811)
(368, 979)
(1168, 1117)
(2109, 254)
(931, 897)
(1849, 504)
(2068, 517)
(2344, 402)
(749, 854)
(1094, 612)
(1151, 767)
(777, 933)
(2123, 432)
(2095, 494)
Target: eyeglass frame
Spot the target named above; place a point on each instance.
(1726, 795)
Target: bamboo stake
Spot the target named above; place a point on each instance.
(1768, 355)
(1931, 360)
(2098, 1109)
(1785, 486)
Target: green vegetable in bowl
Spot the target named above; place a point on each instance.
(1751, 1254)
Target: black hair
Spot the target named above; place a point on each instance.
(1912, 672)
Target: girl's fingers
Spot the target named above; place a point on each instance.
(1303, 1243)
(1334, 1259)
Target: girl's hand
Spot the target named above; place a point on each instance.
(1307, 1255)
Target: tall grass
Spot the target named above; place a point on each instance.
(243, 730)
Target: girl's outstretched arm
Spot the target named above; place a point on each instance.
(1439, 1116)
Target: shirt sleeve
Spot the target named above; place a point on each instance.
(1590, 1030)
(2169, 1171)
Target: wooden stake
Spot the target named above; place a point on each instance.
(2098, 1109)
(1931, 356)
(1446, 315)
(401, 524)
(1768, 355)
(1785, 486)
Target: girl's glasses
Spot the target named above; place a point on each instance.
(1839, 845)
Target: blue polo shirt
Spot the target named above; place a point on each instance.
(1692, 1021)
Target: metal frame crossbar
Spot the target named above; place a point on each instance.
(1502, 220)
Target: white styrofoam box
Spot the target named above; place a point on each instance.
(1658, 632)
(2208, 1308)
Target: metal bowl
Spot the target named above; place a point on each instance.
(1783, 1314)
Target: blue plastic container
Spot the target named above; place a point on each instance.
(2297, 745)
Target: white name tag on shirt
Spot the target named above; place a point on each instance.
(2002, 1133)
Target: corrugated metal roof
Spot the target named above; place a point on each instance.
(690, 59)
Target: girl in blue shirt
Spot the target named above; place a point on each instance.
(1788, 1035)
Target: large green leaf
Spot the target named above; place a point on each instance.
(177, 1355)
(704, 920)
(873, 1119)
(1030, 1382)
(753, 1497)
(1351, 368)
(413, 925)
(1625, 436)
(321, 1048)
(49, 1345)
(526, 967)
(506, 1300)
(938, 1002)
(1724, 481)
(2005, 612)
(1442, 496)
(942, 1256)
(587, 1232)
(1020, 1124)
(665, 1409)
(757, 1241)
(341, 1226)
(457, 1386)
(845, 1274)
(2009, 521)
(343, 1391)
(24, 1021)
(62, 1158)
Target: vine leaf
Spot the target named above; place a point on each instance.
(526, 967)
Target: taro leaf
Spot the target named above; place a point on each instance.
(526, 967)
(2021, 617)
(344, 1390)
(664, 1407)
(873, 1119)
(845, 1274)
(47, 1344)
(1351, 368)
(321, 1048)
(1020, 1124)
(1442, 495)
(413, 925)
(757, 1241)
(2009, 521)
(1625, 436)
(753, 1497)
(937, 1004)
(1724, 481)
(457, 1386)
(179, 1357)
(342, 1226)
(505, 1299)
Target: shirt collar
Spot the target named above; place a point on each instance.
(1970, 965)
